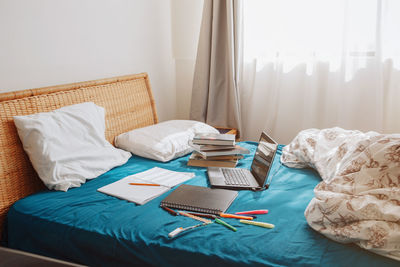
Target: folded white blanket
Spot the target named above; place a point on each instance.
(359, 198)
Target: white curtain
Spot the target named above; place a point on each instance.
(319, 64)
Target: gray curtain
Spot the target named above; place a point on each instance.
(215, 93)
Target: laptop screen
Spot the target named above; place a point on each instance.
(263, 158)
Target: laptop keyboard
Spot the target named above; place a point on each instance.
(235, 176)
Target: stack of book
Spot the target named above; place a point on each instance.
(215, 150)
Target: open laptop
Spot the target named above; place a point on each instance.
(253, 179)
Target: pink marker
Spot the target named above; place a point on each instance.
(250, 212)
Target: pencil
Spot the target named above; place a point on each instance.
(211, 216)
(194, 217)
(170, 211)
(144, 184)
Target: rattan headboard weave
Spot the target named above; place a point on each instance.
(128, 102)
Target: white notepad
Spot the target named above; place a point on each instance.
(141, 194)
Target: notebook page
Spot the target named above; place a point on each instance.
(164, 177)
(138, 194)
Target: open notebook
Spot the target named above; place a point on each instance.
(140, 194)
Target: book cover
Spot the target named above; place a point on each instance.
(200, 199)
(235, 151)
(214, 139)
(199, 161)
(199, 147)
(213, 142)
(214, 136)
(222, 157)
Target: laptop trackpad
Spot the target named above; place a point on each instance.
(216, 176)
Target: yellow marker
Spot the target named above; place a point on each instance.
(261, 224)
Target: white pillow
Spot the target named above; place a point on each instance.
(68, 145)
(163, 141)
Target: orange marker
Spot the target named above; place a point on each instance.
(227, 215)
(144, 184)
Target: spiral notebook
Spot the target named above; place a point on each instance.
(200, 199)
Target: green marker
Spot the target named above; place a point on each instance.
(225, 224)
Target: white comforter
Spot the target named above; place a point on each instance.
(359, 198)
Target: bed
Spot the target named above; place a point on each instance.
(88, 227)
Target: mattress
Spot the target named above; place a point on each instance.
(88, 227)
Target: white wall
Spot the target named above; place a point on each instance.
(49, 42)
(186, 21)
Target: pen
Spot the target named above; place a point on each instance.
(251, 212)
(227, 215)
(261, 224)
(181, 229)
(225, 224)
(144, 184)
(170, 211)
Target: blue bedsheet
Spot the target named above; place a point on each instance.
(85, 226)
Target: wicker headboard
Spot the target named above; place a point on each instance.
(128, 102)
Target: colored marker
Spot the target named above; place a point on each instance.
(251, 212)
(225, 224)
(227, 215)
(261, 224)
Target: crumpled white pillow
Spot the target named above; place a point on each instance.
(67, 146)
(163, 141)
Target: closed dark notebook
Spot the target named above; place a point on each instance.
(200, 199)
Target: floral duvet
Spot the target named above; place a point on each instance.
(358, 199)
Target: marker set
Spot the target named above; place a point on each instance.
(201, 217)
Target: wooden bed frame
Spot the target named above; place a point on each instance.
(129, 104)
